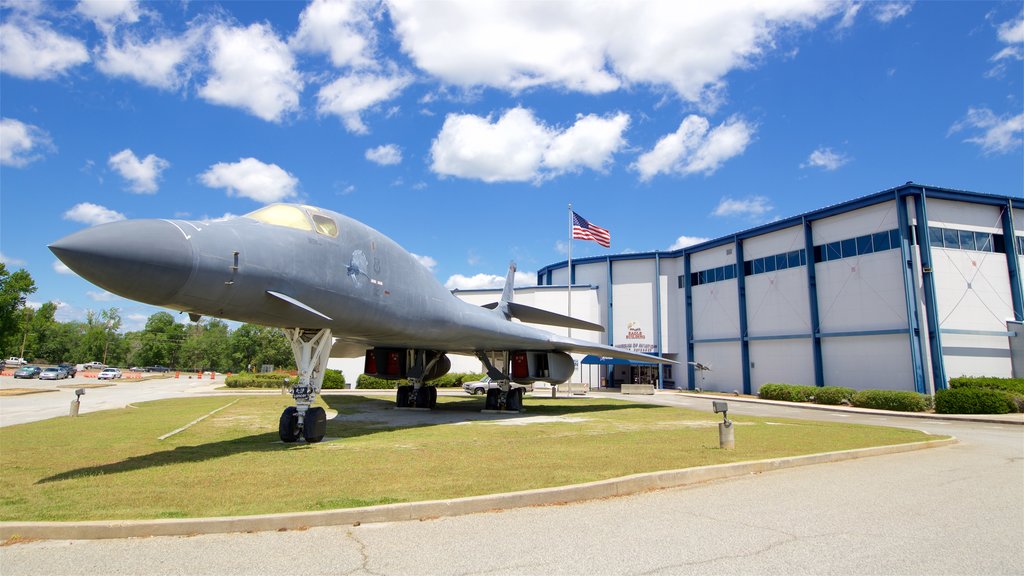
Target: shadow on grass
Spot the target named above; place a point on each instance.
(378, 416)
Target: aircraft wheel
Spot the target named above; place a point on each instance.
(433, 397)
(514, 400)
(492, 399)
(402, 397)
(314, 427)
(288, 427)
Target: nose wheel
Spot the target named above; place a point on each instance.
(311, 349)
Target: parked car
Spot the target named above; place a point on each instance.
(94, 365)
(28, 372)
(69, 368)
(481, 386)
(53, 374)
(156, 368)
(15, 361)
(109, 374)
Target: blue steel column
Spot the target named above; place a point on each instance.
(931, 307)
(1010, 241)
(688, 307)
(741, 285)
(910, 292)
(812, 299)
(609, 370)
(657, 315)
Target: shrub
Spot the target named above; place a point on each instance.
(371, 383)
(1014, 385)
(787, 392)
(891, 400)
(332, 379)
(451, 380)
(833, 395)
(981, 400)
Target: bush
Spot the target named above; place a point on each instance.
(834, 395)
(980, 400)
(1014, 385)
(451, 380)
(787, 392)
(332, 379)
(891, 400)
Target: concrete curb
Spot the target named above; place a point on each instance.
(1011, 419)
(437, 508)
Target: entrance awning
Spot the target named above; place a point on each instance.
(606, 361)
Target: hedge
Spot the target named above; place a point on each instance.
(333, 379)
(787, 392)
(1014, 385)
(892, 400)
(452, 380)
(981, 400)
(834, 395)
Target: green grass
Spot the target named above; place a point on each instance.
(110, 465)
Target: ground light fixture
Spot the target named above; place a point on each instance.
(726, 439)
(77, 402)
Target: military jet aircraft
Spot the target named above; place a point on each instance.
(320, 275)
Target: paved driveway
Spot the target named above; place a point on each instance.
(953, 510)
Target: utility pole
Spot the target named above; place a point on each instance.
(24, 337)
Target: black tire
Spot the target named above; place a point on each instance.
(402, 396)
(433, 397)
(314, 426)
(288, 427)
(477, 391)
(492, 399)
(514, 400)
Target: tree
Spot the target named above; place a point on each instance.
(161, 341)
(252, 346)
(206, 347)
(14, 288)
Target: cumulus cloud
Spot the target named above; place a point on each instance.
(108, 13)
(252, 69)
(385, 155)
(428, 262)
(343, 29)
(518, 148)
(348, 96)
(103, 296)
(684, 241)
(163, 63)
(1010, 33)
(141, 174)
(486, 281)
(825, 158)
(995, 134)
(21, 143)
(92, 214)
(32, 49)
(886, 12)
(62, 268)
(752, 207)
(695, 148)
(687, 46)
(10, 260)
(250, 178)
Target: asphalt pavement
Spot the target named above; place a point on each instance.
(951, 510)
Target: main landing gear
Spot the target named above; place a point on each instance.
(312, 350)
(415, 394)
(504, 398)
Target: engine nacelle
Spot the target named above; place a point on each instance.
(541, 366)
(396, 363)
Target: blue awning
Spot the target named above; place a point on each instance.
(606, 361)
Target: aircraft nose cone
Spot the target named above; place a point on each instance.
(144, 260)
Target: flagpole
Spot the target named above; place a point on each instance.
(570, 268)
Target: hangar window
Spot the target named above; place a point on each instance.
(864, 244)
(951, 239)
(284, 215)
(710, 275)
(880, 241)
(859, 246)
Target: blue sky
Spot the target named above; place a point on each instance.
(463, 129)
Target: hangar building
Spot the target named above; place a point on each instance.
(898, 290)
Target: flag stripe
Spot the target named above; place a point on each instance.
(584, 230)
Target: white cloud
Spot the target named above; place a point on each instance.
(163, 63)
(31, 49)
(486, 281)
(350, 95)
(92, 214)
(10, 260)
(250, 178)
(107, 13)
(752, 207)
(825, 158)
(252, 69)
(61, 268)
(103, 296)
(886, 12)
(341, 28)
(694, 148)
(688, 46)
(849, 15)
(428, 262)
(21, 143)
(684, 241)
(998, 134)
(1011, 33)
(141, 174)
(227, 216)
(385, 155)
(518, 148)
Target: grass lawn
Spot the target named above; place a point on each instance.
(110, 465)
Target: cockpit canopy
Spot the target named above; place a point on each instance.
(307, 218)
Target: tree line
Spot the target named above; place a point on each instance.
(34, 333)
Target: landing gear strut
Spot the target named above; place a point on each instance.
(416, 395)
(312, 350)
(504, 398)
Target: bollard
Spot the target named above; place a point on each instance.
(74, 407)
(726, 439)
(554, 391)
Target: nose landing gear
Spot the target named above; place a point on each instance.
(312, 350)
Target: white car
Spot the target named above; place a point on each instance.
(94, 365)
(109, 374)
(15, 361)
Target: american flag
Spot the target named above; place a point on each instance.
(583, 230)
